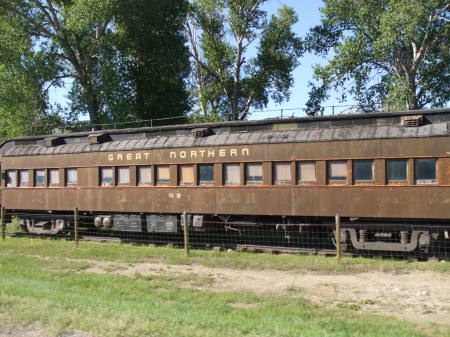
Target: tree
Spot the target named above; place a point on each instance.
(151, 37)
(103, 47)
(222, 35)
(23, 73)
(393, 53)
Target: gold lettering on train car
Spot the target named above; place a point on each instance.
(110, 157)
(210, 153)
(129, 156)
(119, 156)
(222, 153)
(146, 154)
(173, 155)
(138, 156)
(193, 154)
(202, 152)
(182, 154)
(233, 152)
(245, 152)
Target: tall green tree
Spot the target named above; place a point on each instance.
(393, 53)
(151, 38)
(23, 74)
(111, 51)
(227, 78)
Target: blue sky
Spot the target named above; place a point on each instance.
(309, 16)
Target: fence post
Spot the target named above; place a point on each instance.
(75, 225)
(2, 221)
(186, 233)
(338, 237)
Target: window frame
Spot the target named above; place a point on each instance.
(397, 181)
(19, 184)
(101, 175)
(49, 177)
(224, 181)
(426, 181)
(15, 178)
(199, 176)
(298, 172)
(66, 176)
(179, 175)
(253, 182)
(118, 183)
(139, 175)
(157, 180)
(276, 181)
(332, 180)
(36, 176)
(354, 172)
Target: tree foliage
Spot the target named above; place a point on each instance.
(393, 53)
(223, 34)
(120, 56)
(23, 73)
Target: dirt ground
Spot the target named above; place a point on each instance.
(411, 295)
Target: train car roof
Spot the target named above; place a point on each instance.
(279, 130)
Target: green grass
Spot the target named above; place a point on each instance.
(236, 260)
(47, 291)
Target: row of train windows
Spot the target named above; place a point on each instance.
(362, 171)
(42, 177)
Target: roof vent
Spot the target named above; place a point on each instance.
(98, 138)
(200, 132)
(412, 121)
(53, 141)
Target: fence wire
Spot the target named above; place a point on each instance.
(398, 240)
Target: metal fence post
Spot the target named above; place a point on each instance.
(186, 233)
(2, 222)
(338, 237)
(75, 225)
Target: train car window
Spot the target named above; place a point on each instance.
(123, 175)
(71, 176)
(23, 178)
(253, 173)
(306, 172)
(11, 178)
(39, 177)
(397, 170)
(106, 176)
(163, 175)
(53, 177)
(232, 174)
(425, 171)
(206, 174)
(337, 171)
(282, 173)
(362, 170)
(186, 175)
(144, 175)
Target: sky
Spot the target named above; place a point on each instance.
(309, 16)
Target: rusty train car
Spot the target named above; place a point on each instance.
(386, 174)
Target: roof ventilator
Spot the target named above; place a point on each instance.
(53, 141)
(412, 121)
(98, 138)
(200, 132)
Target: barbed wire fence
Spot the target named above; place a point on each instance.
(189, 231)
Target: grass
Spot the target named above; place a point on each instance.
(132, 254)
(33, 289)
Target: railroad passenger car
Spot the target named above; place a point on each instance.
(379, 171)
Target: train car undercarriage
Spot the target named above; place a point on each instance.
(357, 235)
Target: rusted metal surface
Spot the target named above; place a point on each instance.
(378, 137)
